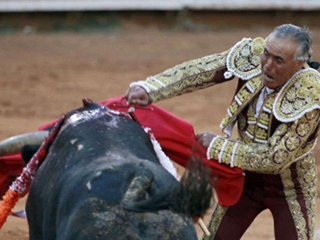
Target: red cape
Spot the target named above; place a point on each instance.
(177, 139)
(10, 168)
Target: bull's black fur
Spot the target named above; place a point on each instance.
(28, 151)
(100, 167)
(192, 197)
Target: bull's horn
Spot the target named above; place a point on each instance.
(13, 144)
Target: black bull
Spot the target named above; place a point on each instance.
(101, 179)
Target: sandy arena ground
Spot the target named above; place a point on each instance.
(45, 75)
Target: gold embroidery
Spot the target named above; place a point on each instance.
(216, 147)
(234, 107)
(282, 129)
(255, 83)
(243, 137)
(251, 113)
(308, 180)
(241, 122)
(303, 129)
(299, 96)
(215, 221)
(264, 118)
(185, 77)
(244, 59)
(293, 204)
(269, 101)
(306, 148)
(310, 115)
(283, 148)
(258, 45)
(261, 133)
(292, 143)
(227, 151)
(280, 156)
(245, 97)
(275, 140)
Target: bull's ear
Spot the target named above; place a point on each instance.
(138, 188)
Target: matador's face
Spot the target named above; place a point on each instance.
(278, 61)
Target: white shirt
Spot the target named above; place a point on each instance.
(264, 92)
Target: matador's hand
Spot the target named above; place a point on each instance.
(137, 95)
(205, 138)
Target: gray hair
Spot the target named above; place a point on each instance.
(301, 36)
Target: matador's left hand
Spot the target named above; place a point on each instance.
(205, 138)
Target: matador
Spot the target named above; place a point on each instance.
(277, 110)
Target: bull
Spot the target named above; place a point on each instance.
(101, 179)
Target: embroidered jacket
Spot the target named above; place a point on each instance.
(280, 140)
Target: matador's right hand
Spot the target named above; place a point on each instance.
(137, 95)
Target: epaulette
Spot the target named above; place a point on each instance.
(243, 60)
(300, 95)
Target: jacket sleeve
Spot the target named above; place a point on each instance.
(289, 143)
(186, 77)
(242, 61)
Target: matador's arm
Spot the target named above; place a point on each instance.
(186, 77)
(242, 60)
(289, 142)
